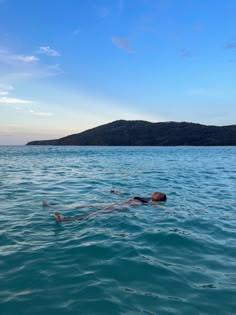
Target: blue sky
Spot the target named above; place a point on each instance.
(70, 65)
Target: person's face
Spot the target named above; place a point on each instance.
(156, 196)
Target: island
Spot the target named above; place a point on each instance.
(144, 133)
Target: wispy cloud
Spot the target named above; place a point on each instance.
(50, 71)
(47, 50)
(39, 71)
(26, 59)
(20, 104)
(44, 114)
(4, 89)
(122, 43)
(25, 67)
(10, 100)
(8, 57)
(230, 45)
(186, 53)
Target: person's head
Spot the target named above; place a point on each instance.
(158, 196)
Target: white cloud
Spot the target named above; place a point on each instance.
(39, 71)
(10, 100)
(4, 89)
(45, 114)
(8, 57)
(24, 68)
(122, 43)
(26, 59)
(47, 50)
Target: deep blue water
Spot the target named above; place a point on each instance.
(148, 260)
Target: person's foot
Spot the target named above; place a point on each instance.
(45, 204)
(57, 216)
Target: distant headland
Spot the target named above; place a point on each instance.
(144, 133)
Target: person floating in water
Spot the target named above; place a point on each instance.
(155, 198)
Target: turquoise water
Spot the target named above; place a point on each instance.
(148, 260)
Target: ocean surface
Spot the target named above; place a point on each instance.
(177, 259)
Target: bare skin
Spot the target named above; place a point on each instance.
(122, 206)
(85, 216)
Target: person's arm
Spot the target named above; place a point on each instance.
(79, 205)
(116, 192)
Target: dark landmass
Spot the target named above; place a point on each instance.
(144, 133)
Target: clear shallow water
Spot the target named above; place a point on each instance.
(149, 260)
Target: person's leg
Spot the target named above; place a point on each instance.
(61, 219)
(57, 216)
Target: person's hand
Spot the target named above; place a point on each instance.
(115, 192)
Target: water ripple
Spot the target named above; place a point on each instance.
(149, 260)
